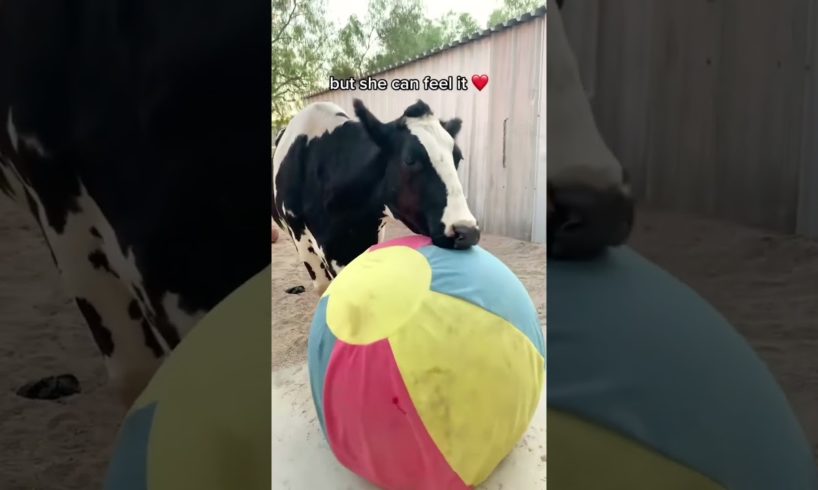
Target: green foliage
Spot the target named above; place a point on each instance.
(300, 35)
(352, 45)
(393, 31)
(512, 9)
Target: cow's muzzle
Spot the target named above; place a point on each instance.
(466, 236)
(584, 221)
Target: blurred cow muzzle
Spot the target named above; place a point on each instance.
(584, 221)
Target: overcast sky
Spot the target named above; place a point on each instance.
(339, 10)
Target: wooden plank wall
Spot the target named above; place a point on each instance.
(502, 190)
(707, 119)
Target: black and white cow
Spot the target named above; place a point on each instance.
(589, 198)
(336, 179)
(135, 133)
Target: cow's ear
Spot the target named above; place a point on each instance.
(452, 126)
(376, 130)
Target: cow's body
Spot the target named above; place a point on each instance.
(334, 187)
(589, 198)
(141, 166)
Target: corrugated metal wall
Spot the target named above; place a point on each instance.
(503, 135)
(706, 118)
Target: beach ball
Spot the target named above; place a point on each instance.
(652, 388)
(203, 421)
(426, 365)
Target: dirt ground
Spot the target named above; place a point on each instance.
(292, 314)
(46, 445)
(765, 284)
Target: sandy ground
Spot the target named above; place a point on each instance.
(292, 314)
(61, 444)
(765, 283)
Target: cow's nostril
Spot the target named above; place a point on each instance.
(572, 223)
(465, 237)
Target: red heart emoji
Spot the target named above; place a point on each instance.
(480, 81)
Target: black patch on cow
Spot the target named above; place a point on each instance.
(418, 109)
(134, 311)
(100, 261)
(311, 250)
(166, 329)
(278, 137)
(95, 232)
(51, 388)
(452, 126)
(309, 270)
(295, 290)
(341, 114)
(151, 340)
(101, 333)
(327, 275)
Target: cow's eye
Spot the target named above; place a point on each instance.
(410, 163)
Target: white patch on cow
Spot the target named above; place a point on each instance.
(439, 146)
(11, 130)
(387, 213)
(582, 157)
(315, 258)
(316, 119)
(385, 219)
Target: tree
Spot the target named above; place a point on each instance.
(393, 31)
(353, 45)
(457, 26)
(300, 35)
(512, 9)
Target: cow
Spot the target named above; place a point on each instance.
(590, 205)
(136, 134)
(337, 180)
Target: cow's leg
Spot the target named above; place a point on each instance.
(311, 254)
(108, 292)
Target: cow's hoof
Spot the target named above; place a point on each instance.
(51, 388)
(295, 290)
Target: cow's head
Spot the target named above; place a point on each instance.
(590, 206)
(420, 184)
